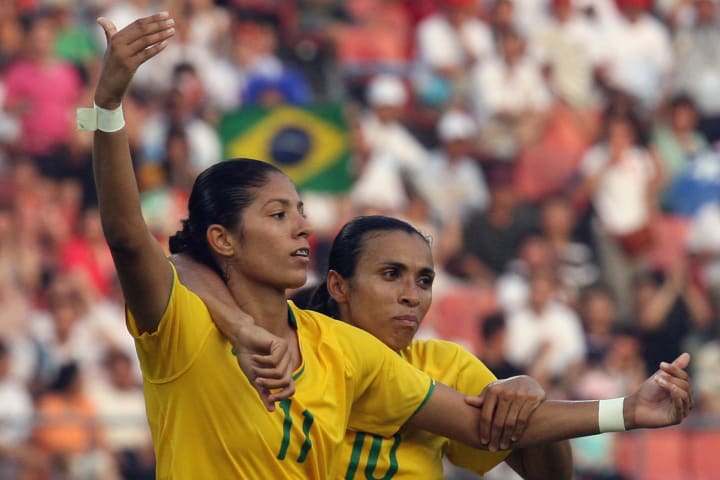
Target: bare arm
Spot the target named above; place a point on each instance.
(552, 460)
(144, 272)
(663, 399)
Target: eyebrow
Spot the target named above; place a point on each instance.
(284, 202)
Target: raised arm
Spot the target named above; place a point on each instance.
(144, 272)
(663, 399)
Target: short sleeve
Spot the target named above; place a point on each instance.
(170, 350)
(387, 390)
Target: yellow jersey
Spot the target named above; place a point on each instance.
(208, 422)
(412, 453)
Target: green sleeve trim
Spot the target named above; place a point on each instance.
(431, 390)
(300, 372)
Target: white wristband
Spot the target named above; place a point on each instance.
(610, 415)
(98, 118)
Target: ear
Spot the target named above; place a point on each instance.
(337, 286)
(220, 240)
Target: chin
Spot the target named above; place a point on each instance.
(296, 281)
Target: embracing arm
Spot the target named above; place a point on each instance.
(144, 272)
(264, 358)
(663, 399)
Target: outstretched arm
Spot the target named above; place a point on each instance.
(540, 462)
(144, 272)
(663, 399)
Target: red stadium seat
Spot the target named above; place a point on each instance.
(704, 448)
(456, 316)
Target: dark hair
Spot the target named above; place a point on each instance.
(219, 196)
(492, 325)
(65, 377)
(346, 249)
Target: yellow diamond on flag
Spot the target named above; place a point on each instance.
(297, 141)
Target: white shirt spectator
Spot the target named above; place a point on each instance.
(393, 142)
(639, 58)
(557, 326)
(501, 88)
(620, 198)
(16, 412)
(572, 50)
(453, 189)
(122, 414)
(441, 46)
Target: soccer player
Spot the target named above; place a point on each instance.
(380, 279)
(246, 221)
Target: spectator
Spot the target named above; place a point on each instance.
(184, 110)
(545, 337)
(510, 96)
(576, 264)
(42, 91)
(491, 238)
(69, 431)
(387, 149)
(697, 186)
(669, 309)
(566, 46)
(599, 315)
(698, 67)
(678, 140)
(494, 335)
(638, 54)
(622, 178)
(121, 409)
(17, 458)
(453, 181)
(449, 42)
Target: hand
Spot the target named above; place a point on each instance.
(506, 407)
(126, 51)
(267, 362)
(663, 399)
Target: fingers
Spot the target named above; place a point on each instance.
(511, 423)
(284, 393)
(142, 39)
(679, 391)
(152, 34)
(475, 401)
(108, 27)
(527, 408)
(498, 423)
(682, 361)
(486, 417)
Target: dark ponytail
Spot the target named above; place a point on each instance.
(345, 253)
(219, 196)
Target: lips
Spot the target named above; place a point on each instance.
(407, 320)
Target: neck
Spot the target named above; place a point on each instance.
(267, 305)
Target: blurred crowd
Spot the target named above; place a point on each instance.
(562, 155)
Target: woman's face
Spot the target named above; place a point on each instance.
(272, 241)
(391, 290)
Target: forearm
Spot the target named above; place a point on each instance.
(118, 196)
(225, 312)
(551, 460)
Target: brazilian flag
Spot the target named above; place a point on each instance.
(310, 144)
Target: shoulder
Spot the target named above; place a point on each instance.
(449, 363)
(327, 330)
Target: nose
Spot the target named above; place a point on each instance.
(409, 294)
(304, 229)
